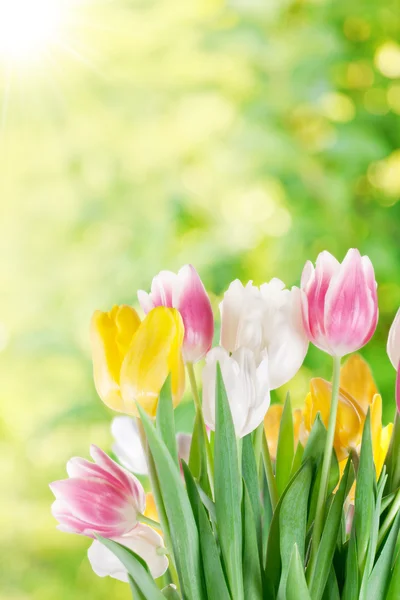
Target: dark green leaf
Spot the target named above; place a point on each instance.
(184, 534)
(250, 476)
(392, 461)
(350, 591)
(296, 587)
(252, 582)
(285, 449)
(394, 589)
(136, 568)
(379, 581)
(165, 420)
(228, 490)
(331, 591)
(170, 593)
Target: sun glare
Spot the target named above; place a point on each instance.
(28, 28)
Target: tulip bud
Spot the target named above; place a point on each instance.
(99, 498)
(339, 302)
(393, 350)
(268, 322)
(185, 292)
(246, 386)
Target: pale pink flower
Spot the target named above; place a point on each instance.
(185, 292)
(339, 302)
(393, 350)
(143, 540)
(98, 498)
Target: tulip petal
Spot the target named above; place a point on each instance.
(128, 446)
(357, 380)
(154, 353)
(393, 345)
(143, 540)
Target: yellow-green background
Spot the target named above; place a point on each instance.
(243, 137)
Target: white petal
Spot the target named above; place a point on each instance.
(143, 540)
(128, 446)
(145, 301)
(184, 441)
(393, 345)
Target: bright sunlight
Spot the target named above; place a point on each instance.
(28, 28)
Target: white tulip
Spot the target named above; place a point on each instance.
(268, 321)
(143, 540)
(246, 386)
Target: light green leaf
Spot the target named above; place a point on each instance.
(136, 568)
(392, 461)
(198, 453)
(252, 581)
(285, 449)
(184, 534)
(326, 550)
(170, 593)
(379, 581)
(228, 490)
(296, 586)
(365, 500)
(165, 420)
(297, 460)
(136, 593)
(394, 589)
(350, 591)
(293, 521)
(250, 476)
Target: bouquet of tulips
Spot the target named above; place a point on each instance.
(260, 501)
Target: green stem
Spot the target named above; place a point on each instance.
(196, 397)
(162, 515)
(394, 509)
(269, 472)
(143, 519)
(326, 463)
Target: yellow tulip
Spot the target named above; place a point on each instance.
(132, 359)
(272, 422)
(356, 378)
(349, 420)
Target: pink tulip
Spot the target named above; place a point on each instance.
(339, 302)
(185, 292)
(98, 498)
(393, 350)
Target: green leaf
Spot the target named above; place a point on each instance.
(184, 534)
(296, 586)
(228, 490)
(136, 593)
(285, 449)
(331, 591)
(315, 445)
(293, 521)
(136, 568)
(297, 460)
(170, 593)
(364, 501)
(326, 550)
(165, 420)
(252, 581)
(213, 573)
(273, 559)
(379, 581)
(350, 591)
(250, 476)
(394, 589)
(198, 453)
(392, 461)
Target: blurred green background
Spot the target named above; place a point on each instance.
(242, 136)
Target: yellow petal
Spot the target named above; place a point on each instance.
(357, 380)
(272, 422)
(111, 334)
(154, 353)
(151, 510)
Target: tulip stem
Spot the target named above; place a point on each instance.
(193, 385)
(269, 473)
(143, 519)
(326, 463)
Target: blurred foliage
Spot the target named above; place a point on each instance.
(243, 137)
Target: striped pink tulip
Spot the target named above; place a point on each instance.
(339, 302)
(185, 292)
(98, 498)
(393, 350)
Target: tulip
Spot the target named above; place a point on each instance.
(143, 540)
(131, 360)
(185, 292)
(246, 384)
(128, 445)
(339, 302)
(268, 321)
(99, 498)
(393, 350)
(357, 380)
(272, 423)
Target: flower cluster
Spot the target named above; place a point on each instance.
(265, 333)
